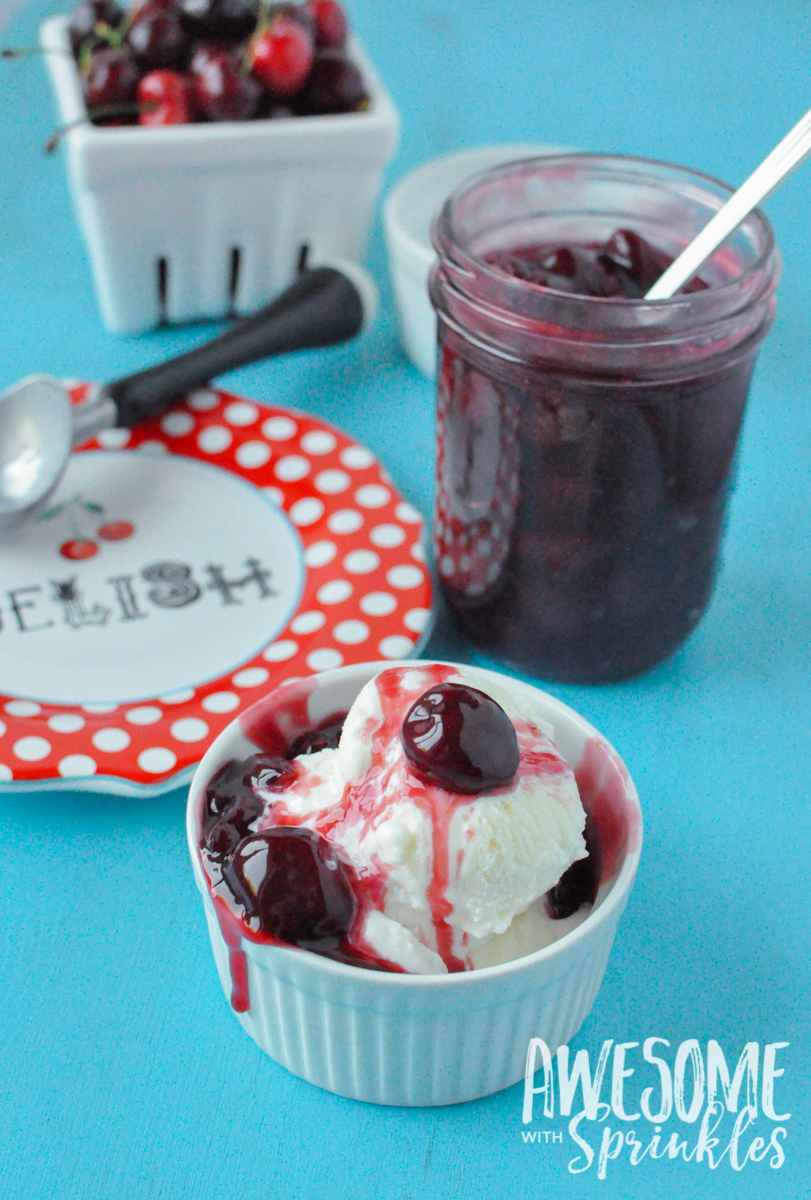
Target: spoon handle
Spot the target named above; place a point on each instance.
(325, 306)
(777, 166)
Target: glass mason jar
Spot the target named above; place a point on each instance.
(585, 445)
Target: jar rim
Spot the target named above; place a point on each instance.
(444, 236)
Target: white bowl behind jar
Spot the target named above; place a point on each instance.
(414, 1039)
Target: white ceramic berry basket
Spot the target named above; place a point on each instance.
(231, 210)
(425, 1040)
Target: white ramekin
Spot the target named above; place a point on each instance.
(411, 1039)
(407, 216)
(228, 208)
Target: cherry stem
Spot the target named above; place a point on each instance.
(103, 110)
(28, 51)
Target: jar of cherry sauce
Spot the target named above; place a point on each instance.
(585, 436)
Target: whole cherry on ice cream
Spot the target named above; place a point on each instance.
(282, 55)
(115, 531)
(79, 548)
(292, 883)
(325, 737)
(460, 739)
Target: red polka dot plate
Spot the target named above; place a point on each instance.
(180, 571)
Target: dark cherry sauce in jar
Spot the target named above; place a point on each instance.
(586, 437)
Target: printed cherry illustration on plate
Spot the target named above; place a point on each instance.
(80, 546)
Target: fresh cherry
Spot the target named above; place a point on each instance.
(221, 91)
(325, 737)
(578, 885)
(87, 16)
(335, 85)
(219, 20)
(79, 548)
(112, 78)
(292, 881)
(166, 98)
(461, 739)
(117, 531)
(281, 56)
(330, 23)
(157, 38)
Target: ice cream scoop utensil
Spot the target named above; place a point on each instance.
(39, 426)
(777, 166)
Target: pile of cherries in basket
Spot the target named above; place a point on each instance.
(170, 62)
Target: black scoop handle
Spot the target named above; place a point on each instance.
(321, 308)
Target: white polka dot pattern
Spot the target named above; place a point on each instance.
(189, 729)
(214, 439)
(220, 702)
(324, 659)
(75, 766)
(332, 483)
(32, 749)
(291, 468)
(347, 520)
(307, 512)
(176, 424)
(251, 677)
(252, 454)
(280, 651)
(319, 554)
(240, 413)
(334, 592)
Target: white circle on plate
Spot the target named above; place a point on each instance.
(241, 413)
(280, 651)
(275, 494)
(66, 723)
(361, 562)
(252, 454)
(291, 468)
(202, 400)
(111, 740)
(418, 552)
(74, 766)
(220, 702)
(347, 520)
(387, 536)
(214, 439)
(99, 709)
(2, 728)
(279, 429)
(153, 446)
(331, 483)
(320, 553)
(405, 576)
(176, 424)
(32, 749)
(307, 511)
(308, 622)
(396, 646)
(182, 696)
(23, 708)
(372, 495)
(5, 773)
(251, 677)
(378, 604)
(357, 457)
(417, 619)
(406, 512)
(113, 439)
(189, 729)
(351, 633)
(334, 592)
(319, 441)
(214, 575)
(145, 714)
(156, 760)
(324, 659)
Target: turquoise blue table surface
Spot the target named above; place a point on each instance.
(124, 1075)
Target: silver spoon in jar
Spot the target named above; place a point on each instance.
(39, 426)
(777, 166)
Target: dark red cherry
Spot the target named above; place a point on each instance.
(112, 78)
(578, 885)
(88, 15)
(325, 737)
(281, 56)
(335, 85)
(157, 38)
(167, 98)
(219, 20)
(269, 775)
(222, 91)
(247, 783)
(461, 739)
(330, 23)
(292, 881)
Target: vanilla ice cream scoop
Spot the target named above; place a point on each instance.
(446, 812)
